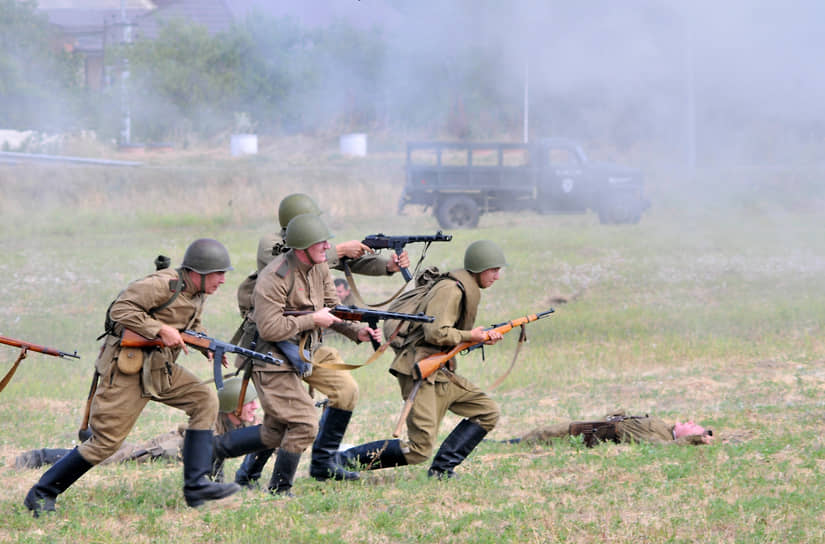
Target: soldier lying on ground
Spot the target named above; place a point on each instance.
(619, 427)
(167, 446)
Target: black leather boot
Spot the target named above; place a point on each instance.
(234, 444)
(373, 455)
(55, 481)
(331, 431)
(286, 464)
(250, 470)
(197, 461)
(455, 448)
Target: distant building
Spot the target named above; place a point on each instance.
(89, 27)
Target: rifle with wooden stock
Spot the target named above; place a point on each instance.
(202, 343)
(433, 363)
(25, 347)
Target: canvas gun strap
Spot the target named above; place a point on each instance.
(356, 294)
(13, 369)
(522, 338)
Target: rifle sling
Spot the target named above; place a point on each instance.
(522, 337)
(13, 369)
(381, 349)
(357, 294)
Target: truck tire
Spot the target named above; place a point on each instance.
(620, 208)
(457, 212)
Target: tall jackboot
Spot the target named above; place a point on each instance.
(234, 444)
(55, 481)
(373, 455)
(455, 448)
(197, 461)
(250, 470)
(286, 465)
(331, 431)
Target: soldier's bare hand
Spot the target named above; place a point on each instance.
(493, 337)
(171, 337)
(397, 262)
(324, 319)
(367, 334)
(351, 249)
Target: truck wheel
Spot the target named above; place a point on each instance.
(621, 208)
(457, 212)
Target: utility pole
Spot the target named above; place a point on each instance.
(125, 112)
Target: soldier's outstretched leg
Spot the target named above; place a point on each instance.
(331, 431)
(197, 463)
(455, 448)
(286, 465)
(234, 444)
(373, 455)
(251, 468)
(55, 481)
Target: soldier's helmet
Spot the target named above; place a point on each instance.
(228, 396)
(305, 230)
(483, 254)
(294, 205)
(205, 256)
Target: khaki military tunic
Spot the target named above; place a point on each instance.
(120, 398)
(290, 419)
(367, 265)
(641, 429)
(454, 310)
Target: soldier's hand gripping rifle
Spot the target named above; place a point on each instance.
(429, 365)
(367, 315)
(202, 343)
(24, 348)
(397, 243)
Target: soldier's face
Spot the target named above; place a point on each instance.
(342, 291)
(317, 253)
(213, 281)
(688, 428)
(488, 277)
(248, 411)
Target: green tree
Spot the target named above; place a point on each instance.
(39, 81)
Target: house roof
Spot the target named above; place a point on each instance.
(215, 15)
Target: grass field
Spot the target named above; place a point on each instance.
(712, 308)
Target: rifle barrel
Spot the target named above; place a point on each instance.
(34, 347)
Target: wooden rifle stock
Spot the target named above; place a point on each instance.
(428, 365)
(131, 339)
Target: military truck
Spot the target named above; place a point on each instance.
(460, 181)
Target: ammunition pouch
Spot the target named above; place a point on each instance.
(130, 360)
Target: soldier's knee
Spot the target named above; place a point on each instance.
(345, 397)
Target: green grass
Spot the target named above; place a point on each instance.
(711, 308)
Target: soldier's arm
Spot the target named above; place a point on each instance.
(131, 309)
(445, 306)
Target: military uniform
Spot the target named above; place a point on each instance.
(169, 298)
(632, 429)
(288, 283)
(454, 308)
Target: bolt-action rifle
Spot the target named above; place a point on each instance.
(24, 348)
(431, 364)
(202, 343)
(367, 315)
(397, 243)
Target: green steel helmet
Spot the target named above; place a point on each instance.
(483, 254)
(205, 256)
(304, 230)
(294, 205)
(228, 396)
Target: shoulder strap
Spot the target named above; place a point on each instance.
(175, 285)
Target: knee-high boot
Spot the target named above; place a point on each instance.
(286, 464)
(250, 470)
(234, 444)
(197, 462)
(455, 448)
(373, 455)
(56, 480)
(331, 431)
